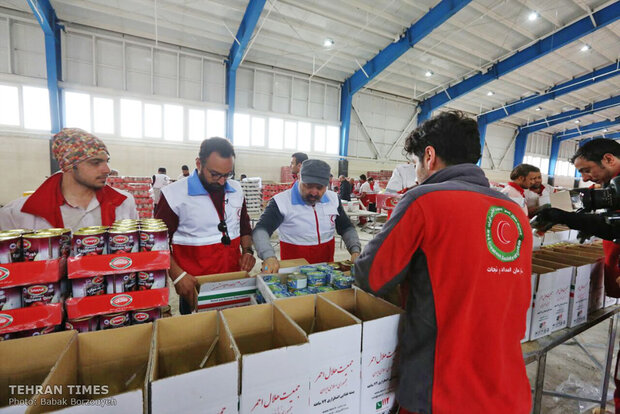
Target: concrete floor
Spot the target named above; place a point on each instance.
(563, 361)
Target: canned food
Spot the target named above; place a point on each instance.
(87, 324)
(88, 242)
(114, 320)
(10, 247)
(36, 331)
(65, 241)
(297, 281)
(153, 279)
(41, 245)
(153, 239)
(307, 269)
(316, 279)
(323, 268)
(120, 283)
(145, 316)
(39, 295)
(10, 298)
(277, 288)
(166, 312)
(123, 240)
(7, 336)
(88, 286)
(342, 282)
(271, 279)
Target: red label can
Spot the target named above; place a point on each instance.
(144, 316)
(87, 324)
(114, 320)
(10, 298)
(89, 286)
(88, 242)
(122, 241)
(40, 246)
(39, 295)
(153, 279)
(37, 331)
(10, 247)
(153, 239)
(121, 283)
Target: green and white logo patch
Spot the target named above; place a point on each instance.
(504, 234)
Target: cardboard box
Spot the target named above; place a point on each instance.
(113, 303)
(580, 285)
(225, 290)
(335, 350)
(26, 362)
(104, 367)
(89, 266)
(34, 317)
(177, 383)
(274, 359)
(560, 289)
(536, 270)
(380, 322)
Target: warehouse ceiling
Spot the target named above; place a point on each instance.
(332, 39)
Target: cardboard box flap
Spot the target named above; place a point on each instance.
(536, 269)
(221, 277)
(30, 273)
(315, 314)
(361, 304)
(550, 264)
(563, 258)
(28, 361)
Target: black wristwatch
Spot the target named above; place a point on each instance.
(248, 250)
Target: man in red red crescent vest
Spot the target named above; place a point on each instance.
(307, 217)
(75, 197)
(368, 194)
(522, 176)
(465, 274)
(207, 221)
(597, 161)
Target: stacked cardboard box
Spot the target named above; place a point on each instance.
(140, 188)
(253, 195)
(17, 318)
(286, 175)
(271, 189)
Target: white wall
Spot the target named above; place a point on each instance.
(498, 153)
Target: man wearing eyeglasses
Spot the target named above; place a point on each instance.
(307, 216)
(207, 221)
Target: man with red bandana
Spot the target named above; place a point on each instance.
(597, 161)
(465, 277)
(75, 197)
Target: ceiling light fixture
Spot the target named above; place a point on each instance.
(532, 16)
(328, 42)
(428, 73)
(538, 108)
(585, 48)
(577, 121)
(605, 130)
(490, 93)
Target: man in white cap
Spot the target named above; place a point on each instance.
(75, 197)
(307, 217)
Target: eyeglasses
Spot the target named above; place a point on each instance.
(216, 175)
(225, 240)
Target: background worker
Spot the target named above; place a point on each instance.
(296, 160)
(403, 178)
(522, 177)
(307, 217)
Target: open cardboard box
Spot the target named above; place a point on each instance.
(580, 285)
(536, 270)
(274, 359)
(25, 363)
(380, 323)
(104, 369)
(335, 349)
(177, 381)
(543, 279)
(225, 290)
(562, 277)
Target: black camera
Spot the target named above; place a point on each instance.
(592, 199)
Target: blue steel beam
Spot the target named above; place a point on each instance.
(612, 135)
(553, 156)
(46, 16)
(237, 50)
(416, 32)
(570, 86)
(587, 129)
(539, 49)
(524, 130)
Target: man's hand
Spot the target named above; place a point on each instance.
(187, 289)
(270, 265)
(247, 262)
(545, 218)
(354, 256)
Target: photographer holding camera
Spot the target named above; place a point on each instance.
(597, 161)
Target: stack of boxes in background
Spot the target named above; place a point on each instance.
(32, 285)
(269, 190)
(253, 195)
(140, 188)
(286, 176)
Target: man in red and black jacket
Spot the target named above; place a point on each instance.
(462, 253)
(597, 161)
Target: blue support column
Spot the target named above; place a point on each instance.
(539, 49)
(416, 32)
(482, 130)
(46, 16)
(520, 145)
(237, 50)
(553, 157)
